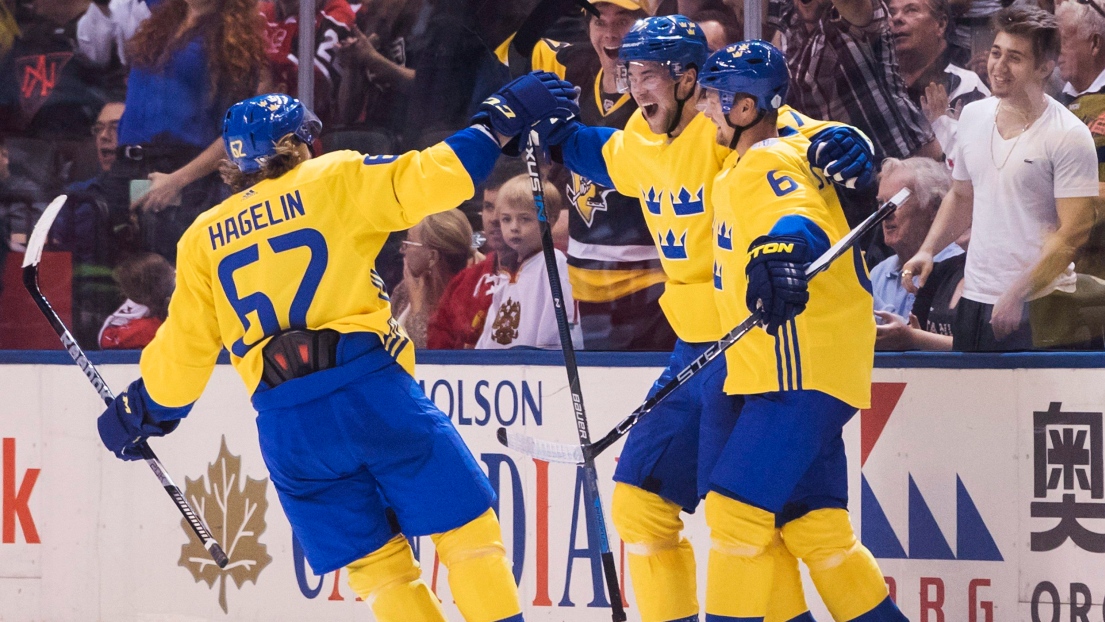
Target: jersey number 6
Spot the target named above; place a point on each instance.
(258, 302)
(780, 184)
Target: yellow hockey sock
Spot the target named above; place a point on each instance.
(390, 581)
(661, 562)
(844, 571)
(788, 600)
(741, 567)
(480, 575)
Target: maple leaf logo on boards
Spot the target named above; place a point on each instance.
(236, 517)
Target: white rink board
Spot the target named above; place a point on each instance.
(953, 474)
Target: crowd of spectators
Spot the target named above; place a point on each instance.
(118, 104)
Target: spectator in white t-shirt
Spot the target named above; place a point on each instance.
(1025, 179)
(522, 312)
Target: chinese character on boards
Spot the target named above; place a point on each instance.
(1067, 459)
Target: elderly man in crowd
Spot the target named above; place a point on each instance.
(844, 67)
(904, 232)
(931, 68)
(1026, 182)
(1082, 68)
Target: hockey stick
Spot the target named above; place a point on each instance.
(550, 451)
(590, 475)
(30, 281)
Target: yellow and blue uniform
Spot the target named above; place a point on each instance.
(772, 182)
(776, 460)
(345, 443)
(672, 181)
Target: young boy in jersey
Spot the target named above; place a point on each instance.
(667, 157)
(276, 275)
(522, 311)
(776, 458)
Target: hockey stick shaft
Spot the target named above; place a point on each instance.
(819, 265)
(588, 470)
(30, 281)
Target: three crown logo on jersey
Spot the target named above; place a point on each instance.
(724, 236)
(672, 248)
(717, 276)
(652, 200)
(687, 204)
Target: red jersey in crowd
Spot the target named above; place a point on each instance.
(333, 22)
(458, 320)
(130, 328)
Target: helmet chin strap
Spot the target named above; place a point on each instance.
(679, 103)
(739, 129)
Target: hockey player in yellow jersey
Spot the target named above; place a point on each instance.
(777, 458)
(280, 275)
(667, 157)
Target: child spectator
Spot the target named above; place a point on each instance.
(458, 321)
(522, 311)
(148, 281)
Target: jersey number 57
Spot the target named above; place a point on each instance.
(258, 302)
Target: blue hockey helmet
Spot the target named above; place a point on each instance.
(253, 127)
(672, 40)
(754, 68)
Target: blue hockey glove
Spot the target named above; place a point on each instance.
(777, 283)
(845, 156)
(514, 108)
(127, 422)
(555, 131)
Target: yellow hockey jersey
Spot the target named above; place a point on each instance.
(672, 181)
(298, 251)
(829, 347)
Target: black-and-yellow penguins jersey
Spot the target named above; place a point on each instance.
(298, 252)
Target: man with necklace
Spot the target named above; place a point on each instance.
(1025, 179)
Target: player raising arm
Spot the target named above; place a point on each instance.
(777, 457)
(276, 275)
(667, 157)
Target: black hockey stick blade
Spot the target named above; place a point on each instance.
(561, 452)
(31, 259)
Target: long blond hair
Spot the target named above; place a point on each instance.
(450, 234)
(287, 157)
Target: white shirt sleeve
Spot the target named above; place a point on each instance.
(1075, 164)
(955, 156)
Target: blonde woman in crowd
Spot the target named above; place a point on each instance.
(435, 250)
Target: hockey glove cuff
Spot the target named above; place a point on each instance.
(129, 420)
(777, 284)
(845, 155)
